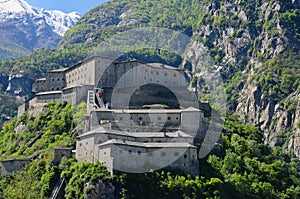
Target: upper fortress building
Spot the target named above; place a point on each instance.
(140, 116)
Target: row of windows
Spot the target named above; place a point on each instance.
(41, 81)
(53, 79)
(47, 98)
(151, 153)
(157, 81)
(82, 77)
(53, 89)
(76, 71)
(157, 73)
(66, 97)
(158, 118)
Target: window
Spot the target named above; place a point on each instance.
(157, 73)
(166, 74)
(140, 118)
(139, 152)
(169, 118)
(185, 156)
(177, 118)
(176, 153)
(163, 154)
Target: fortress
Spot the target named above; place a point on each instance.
(139, 116)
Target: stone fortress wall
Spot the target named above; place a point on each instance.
(103, 72)
(135, 130)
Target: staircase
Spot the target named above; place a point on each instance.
(91, 98)
(94, 100)
(57, 189)
(100, 101)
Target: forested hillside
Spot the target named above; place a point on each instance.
(241, 167)
(255, 45)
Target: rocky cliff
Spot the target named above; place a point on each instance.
(257, 44)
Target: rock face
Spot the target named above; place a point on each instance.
(19, 85)
(102, 189)
(242, 37)
(4, 81)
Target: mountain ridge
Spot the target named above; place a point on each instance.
(30, 28)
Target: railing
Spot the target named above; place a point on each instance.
(57, 189)
(100, 101)
(91, 97)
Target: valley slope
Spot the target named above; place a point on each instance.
(255, 44)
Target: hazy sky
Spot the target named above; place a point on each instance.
(81, 6)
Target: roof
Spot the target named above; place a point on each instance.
(163, 66)
(191, 109)
(58, 70)
(154, 65)
(41, 79)
(77, 86)
(146, 110)
(49, 93)
(89, 59)
(128, 111)
(16, 159)
(101, 130)
(148, 145)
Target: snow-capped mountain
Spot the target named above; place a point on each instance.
(24, 27)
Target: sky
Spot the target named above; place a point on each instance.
(81, 6)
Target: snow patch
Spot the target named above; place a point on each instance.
(57, 20)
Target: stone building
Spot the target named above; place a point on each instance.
(141, 140)
(140, 116)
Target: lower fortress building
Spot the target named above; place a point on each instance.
(140, 117)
